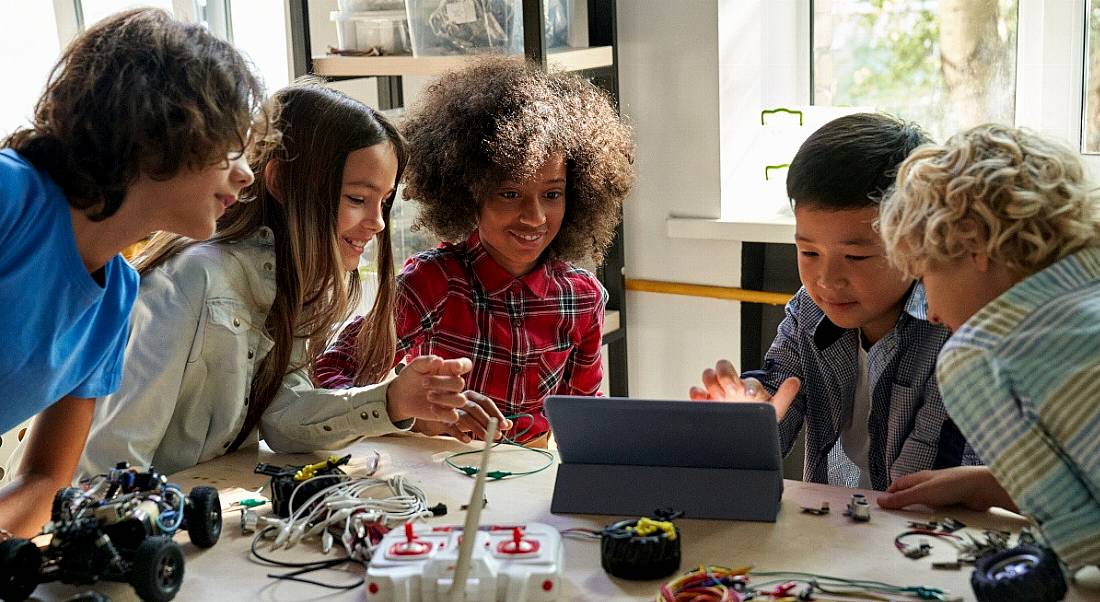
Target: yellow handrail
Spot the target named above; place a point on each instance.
(701, 290)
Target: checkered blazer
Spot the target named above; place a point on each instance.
(908, 427)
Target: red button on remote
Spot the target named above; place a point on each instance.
(518, 545)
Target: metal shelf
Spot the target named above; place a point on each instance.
(557, 59)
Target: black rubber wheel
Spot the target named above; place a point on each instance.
(62, 502)
(157, 570)
(20, 563)
(629, 556)
(204, 516)
(1022, 574)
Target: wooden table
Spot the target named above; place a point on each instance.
(831, 544)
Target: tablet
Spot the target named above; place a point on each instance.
(700, 434)
(714, 460)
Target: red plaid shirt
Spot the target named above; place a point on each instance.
(528, 337)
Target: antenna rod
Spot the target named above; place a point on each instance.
(473, 516)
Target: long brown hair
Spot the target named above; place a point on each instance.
(314, 293)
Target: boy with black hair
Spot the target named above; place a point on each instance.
(854, 357)
(142, 127)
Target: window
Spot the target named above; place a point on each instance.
(406, 242)
(93, 11)
(27, 31)
(945, 64)
(1090, 138)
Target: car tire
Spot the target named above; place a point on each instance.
(20, 563)
(157, 570)
(1023, 574)
(204, 516)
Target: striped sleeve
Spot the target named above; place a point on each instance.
(1027, 459)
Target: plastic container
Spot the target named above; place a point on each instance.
(386, 30)
(357, 6)
(441, 27)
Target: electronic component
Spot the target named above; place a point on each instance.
(285, 479)
(919, 550)
(946, 525)
(922, 548)
(858, 508)
(820, 511)
(640, 549)
(517, 563)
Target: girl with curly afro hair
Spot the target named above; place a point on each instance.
(520, 173)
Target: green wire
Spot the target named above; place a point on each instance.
(920, 591)
(497, 475)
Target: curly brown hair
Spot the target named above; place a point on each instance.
(140, 92)
(501, 119)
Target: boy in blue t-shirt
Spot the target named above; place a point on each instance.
(141, 128)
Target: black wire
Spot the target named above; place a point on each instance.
(330, 564)
(305, 567)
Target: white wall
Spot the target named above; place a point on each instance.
(668, 78)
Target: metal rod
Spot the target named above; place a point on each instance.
(473, 515)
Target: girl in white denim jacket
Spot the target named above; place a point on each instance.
(223, 332)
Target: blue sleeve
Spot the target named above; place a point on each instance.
(16, 178)
(107, 375)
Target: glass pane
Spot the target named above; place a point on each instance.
(1090, 142)
(255, 33)
(405, 241)
(95, 10)
(28, 31)
(946, 64)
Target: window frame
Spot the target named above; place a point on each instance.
(1050, 71)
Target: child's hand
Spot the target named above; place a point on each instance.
(974, 487)
(724, 383)
(473, 420)
(429, 388)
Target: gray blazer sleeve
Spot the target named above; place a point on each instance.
(130, 423)
(303, 418)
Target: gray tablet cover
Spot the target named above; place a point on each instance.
(633, 456)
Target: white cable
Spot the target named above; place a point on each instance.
(346, 501)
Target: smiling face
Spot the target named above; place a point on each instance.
(191, 202)
(370, 175)
(519, 220)
(843, 266)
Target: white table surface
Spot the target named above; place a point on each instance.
(831, 544)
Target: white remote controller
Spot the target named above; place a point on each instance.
(509, 563)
